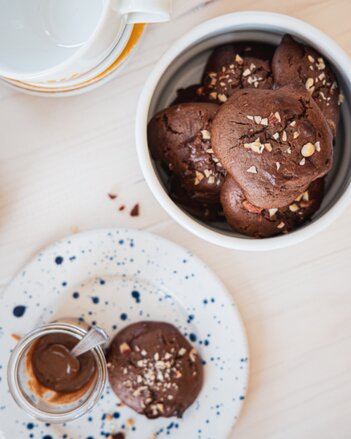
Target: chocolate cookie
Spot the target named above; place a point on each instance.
(192, 93)
(202, 211)
(274, 143)
(180, 137)
(230, 68)
(254, 221)
(295, 63)
(154, 370)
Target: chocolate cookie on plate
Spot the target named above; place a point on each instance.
(180, 137)
(254, 221)
(294, 62)
(274, 143)
(230, 68)
(154, 370)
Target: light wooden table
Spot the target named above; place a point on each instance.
(60, 158)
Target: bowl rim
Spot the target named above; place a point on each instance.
(275, 21)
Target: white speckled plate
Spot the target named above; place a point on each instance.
(113, 278)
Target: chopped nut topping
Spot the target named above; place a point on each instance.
(264, 121)
(192, 355)
(284, 136)
(281, 225)
(309, 85)
(288, 150)
(277, 164)
(296, 134)
(160, 408)
(206, 135)
(213, 95)
(257, 119)
(246, 72)
(306, 196)
(318, 146)
(124, 348)
(272, 211)
(302, 161)
(268, 147)
(250, 117)
(277, 116)
(252, 170)
(222, 97)
(238, 59)
(310, 58)
(251, 208)
(320, 64)
(198, 177)
(341, 99)
(181, 352)
(294, 207)
(308, 149)
(255, 146)
(276, 136)
(293, 123)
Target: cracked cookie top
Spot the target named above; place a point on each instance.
(274, 143)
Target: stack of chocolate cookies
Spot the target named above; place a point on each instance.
(252, 143)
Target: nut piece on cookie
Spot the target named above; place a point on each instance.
(294, 62)
(274, 143)
(180, 137)
(253, 221)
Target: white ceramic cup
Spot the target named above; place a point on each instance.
(182, 65)
(56, 40)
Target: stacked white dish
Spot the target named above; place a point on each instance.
(60, 47)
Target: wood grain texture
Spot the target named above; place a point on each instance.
(60, 158)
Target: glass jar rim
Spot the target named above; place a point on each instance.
(17, 356)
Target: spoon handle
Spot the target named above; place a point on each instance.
(94, 337)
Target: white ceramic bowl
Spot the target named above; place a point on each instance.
(182, 65)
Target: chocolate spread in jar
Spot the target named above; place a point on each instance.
(56, 369)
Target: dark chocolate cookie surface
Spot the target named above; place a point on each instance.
(274, 143)
(180, 137)
(253, 221)
(154, 369)
(294, 62)
(231, 67)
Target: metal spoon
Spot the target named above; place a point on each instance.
(94, 337)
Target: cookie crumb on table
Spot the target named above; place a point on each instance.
(135, 211)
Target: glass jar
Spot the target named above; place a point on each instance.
(39, 406)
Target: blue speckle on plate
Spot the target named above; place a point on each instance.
(136, 296)
(58, 260)
(123, 316)
(95, 300)
(75, 295)
(19, 310)
(192, 337)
